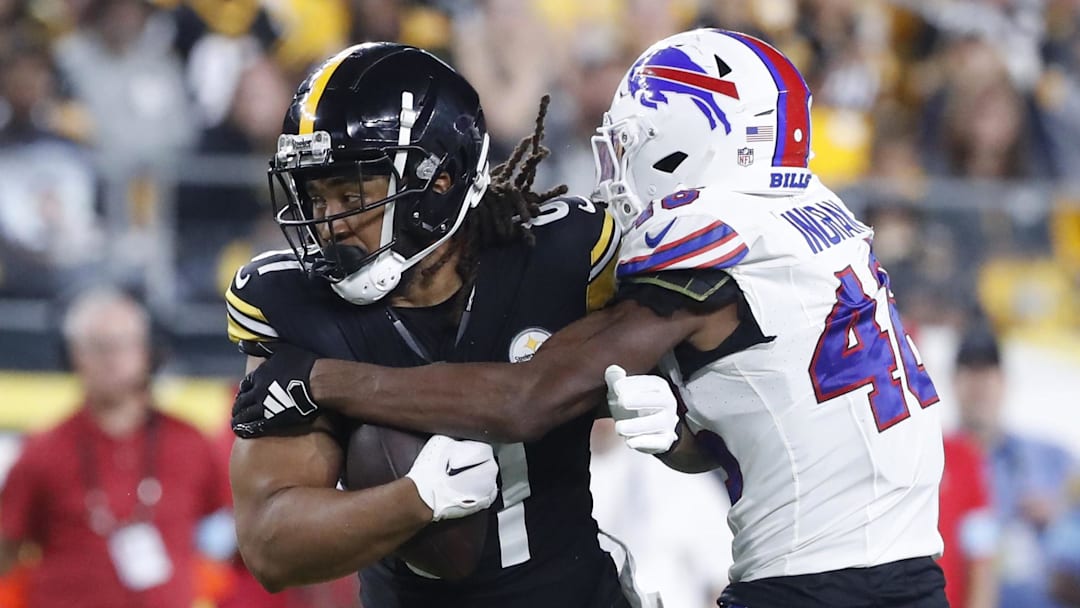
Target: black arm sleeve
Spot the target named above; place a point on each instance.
(697, 291)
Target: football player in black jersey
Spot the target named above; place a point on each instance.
(403, 254)
(694, 317)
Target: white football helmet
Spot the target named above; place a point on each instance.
(699, 108)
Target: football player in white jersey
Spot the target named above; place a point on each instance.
(755, 292)
(818, 409)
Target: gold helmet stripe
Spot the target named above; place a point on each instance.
(310, 103)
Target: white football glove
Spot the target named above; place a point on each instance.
(644, 409)
(455, 478)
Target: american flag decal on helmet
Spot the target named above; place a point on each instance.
(759, 133)
(792, 104)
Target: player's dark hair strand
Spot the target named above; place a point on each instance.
(509, 205)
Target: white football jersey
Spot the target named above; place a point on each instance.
(827, 433)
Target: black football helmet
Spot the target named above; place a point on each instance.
(387, 109)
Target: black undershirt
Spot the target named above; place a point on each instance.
(435, 327)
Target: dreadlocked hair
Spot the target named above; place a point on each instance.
(509, 205)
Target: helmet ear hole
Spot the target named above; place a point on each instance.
(670, 163)
(443, 182)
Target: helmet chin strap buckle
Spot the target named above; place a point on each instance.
(372, 282)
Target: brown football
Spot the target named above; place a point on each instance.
(449, 549)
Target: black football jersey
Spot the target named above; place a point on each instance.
(541, 547)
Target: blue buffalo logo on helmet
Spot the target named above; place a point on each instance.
(671, 71)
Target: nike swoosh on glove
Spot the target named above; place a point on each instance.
(454, 477)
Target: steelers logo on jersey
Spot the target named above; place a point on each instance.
(526, 343)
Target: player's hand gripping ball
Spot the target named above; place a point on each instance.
(457, 479)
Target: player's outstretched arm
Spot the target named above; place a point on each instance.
(486, 401)
(503, 401)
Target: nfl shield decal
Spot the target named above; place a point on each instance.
(746, 157)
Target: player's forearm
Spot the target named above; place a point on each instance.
(434, 399)
(687, 455)
(486, 401)
(502, 402)
(300, 536)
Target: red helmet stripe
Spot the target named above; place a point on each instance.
(792, 104)
(701, 81)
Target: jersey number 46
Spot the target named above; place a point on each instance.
(856, 350)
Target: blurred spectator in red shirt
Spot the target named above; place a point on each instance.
(114, 494)
(1027, 475)
(967, 527)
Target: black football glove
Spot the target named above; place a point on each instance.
(276, 396)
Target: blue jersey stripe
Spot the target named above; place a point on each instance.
(685, 248)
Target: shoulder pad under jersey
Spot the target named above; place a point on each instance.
(579, 238)
(682, 231)
(258, 299)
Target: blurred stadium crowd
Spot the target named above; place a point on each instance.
(134, 136)
(133, 133)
